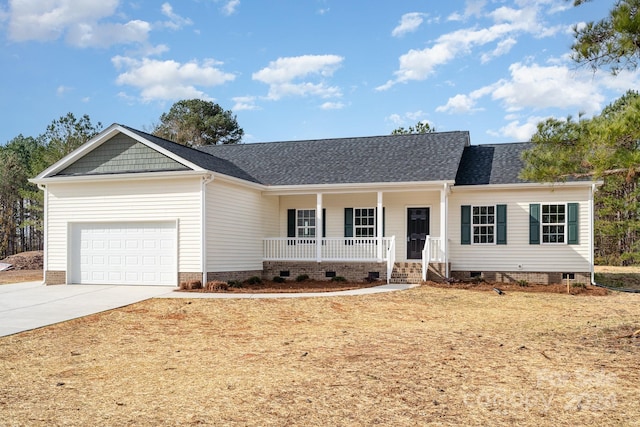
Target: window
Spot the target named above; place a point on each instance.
(364, 221)
(484, 219)
(553, 223)
(306, 223)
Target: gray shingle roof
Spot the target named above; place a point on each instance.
(438, 156)
(492, 164)
(208, 162)
(392, 158)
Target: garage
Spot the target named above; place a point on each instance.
(124, 253)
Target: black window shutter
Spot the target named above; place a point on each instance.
(291, 223)
(501, 220)
(465, 225)
(572, 223)
(534, 224)
(324, 222)
(348, 222)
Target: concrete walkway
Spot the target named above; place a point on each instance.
(31, 305)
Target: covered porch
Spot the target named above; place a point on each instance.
(360, 226)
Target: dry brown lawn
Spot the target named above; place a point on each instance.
(19, 276)
(428, 355)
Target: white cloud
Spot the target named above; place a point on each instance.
(519, 131)
(332, 106)
(244, 103)
(459, 104)
(408, 118)
(175, 21)
(105, 35)
(503, 47)
(283, 75)
(79, 21)
(538, 87)
(230, 7)
(61, 90)
(420, 64)
(409, 22)
(169, 80)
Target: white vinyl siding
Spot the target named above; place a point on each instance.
(236, 217)
(176, 200)
(518, 254)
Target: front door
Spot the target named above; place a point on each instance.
(417, 231)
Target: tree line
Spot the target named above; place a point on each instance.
(190, 122)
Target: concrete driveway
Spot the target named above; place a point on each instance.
(26, 306)
(31, 305)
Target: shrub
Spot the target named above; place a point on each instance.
(302, 278)
(217, 285)
(191, 284)
(234, 284)
(254, 280)
(579, 285)
(338, 279)
(522, 282)
(278, 279)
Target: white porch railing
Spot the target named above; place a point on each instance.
(333, 249)
(391, 258)
(431, 252)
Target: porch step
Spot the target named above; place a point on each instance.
(406, 272)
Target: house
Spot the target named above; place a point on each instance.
(134, 209)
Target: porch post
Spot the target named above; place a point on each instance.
(444, 214)
(319, 227)
(379, 220)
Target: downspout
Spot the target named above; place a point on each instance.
(203, 225)
(591, 232)
(444, 207)
(45, 227)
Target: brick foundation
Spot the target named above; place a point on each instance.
(225, 276)
(352, 271)
(530, 277)
(189, 276)
(55, 277)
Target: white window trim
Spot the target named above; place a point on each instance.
(307, 239)
(565, 224)
(495, 225)
(374, 226)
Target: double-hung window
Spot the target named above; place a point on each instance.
(364, 222)
(306, 224)
(553, 221)
(483, 223)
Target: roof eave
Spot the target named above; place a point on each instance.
(98, 140)
(521, 185)
(285, 190)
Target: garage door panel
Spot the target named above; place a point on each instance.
(124, 253)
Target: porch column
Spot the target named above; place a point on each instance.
(379, 227)
(319, 227)
(444, 217)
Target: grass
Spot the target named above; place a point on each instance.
(618, 277)
(17, 276)
(428, 355)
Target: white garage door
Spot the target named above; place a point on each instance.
(132, 253)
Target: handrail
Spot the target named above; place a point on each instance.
(426, 257)
(391, 257)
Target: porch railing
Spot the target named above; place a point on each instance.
(391, 258)
(431, 252)
(333, 249)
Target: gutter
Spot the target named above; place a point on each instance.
(45, 240)
(203, 224)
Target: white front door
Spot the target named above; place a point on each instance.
(127, 253)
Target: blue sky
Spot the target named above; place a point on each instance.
(301, 69)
